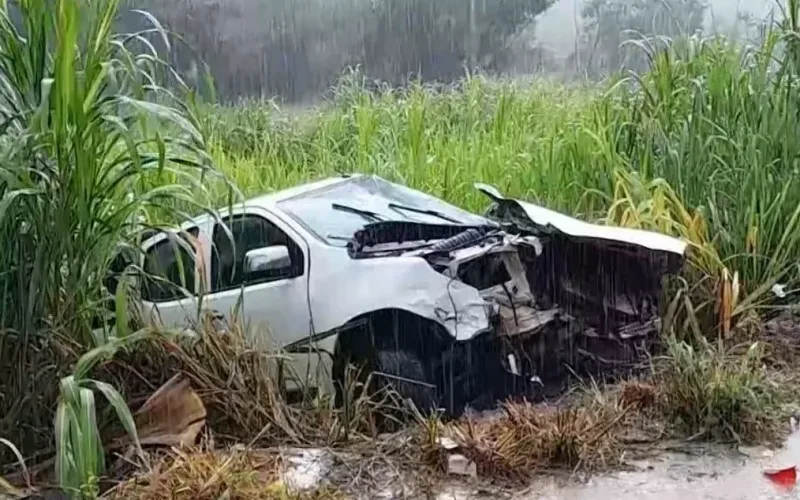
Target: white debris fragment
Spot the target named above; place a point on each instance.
(512, 363)
(755, 451)
(447, 443)
(305, 471)
(779, 290)
(461, 465)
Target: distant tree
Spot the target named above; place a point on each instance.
(297, 48)
(437, 39)
(608, 24)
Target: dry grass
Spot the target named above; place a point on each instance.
(240, 388)
(29, 391)
(638, 394)
(525, 438)
(232, 474)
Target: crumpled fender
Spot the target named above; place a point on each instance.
(405, 283)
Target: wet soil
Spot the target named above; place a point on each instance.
(676, 470)
(706, 472)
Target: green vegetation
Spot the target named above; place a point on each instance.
(94, 148)
(83, 155)
(80, 456)
(711, 389)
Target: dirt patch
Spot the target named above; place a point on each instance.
(782, 333)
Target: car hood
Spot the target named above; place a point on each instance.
(534, 217)
(515, 216)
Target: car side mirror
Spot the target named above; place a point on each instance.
(267, 259)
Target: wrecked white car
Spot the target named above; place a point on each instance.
(449, 307)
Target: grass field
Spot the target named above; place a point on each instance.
(702, 146)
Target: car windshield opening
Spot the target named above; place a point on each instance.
(371, 216)
(434, 213)
(336, 213)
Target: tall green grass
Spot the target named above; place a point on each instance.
(92, 150)
(80, 456)
(530, 140)
(710, 388)
(87, 138)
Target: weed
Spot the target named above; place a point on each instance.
(638, 395)
(80, 455)
(92, 150)
(211, 474)
(90, 158)
(717, 391)
(7, 488)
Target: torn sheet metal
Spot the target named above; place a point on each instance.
(545, 217)
(524, 319)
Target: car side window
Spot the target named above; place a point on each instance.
(248, 232)
(169, 270)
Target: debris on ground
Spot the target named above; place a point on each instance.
(172, 416)
(755, 451)
(461, 466)
(307, 469)
(783, 333)
(784, 478)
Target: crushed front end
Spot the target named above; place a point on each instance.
(564, 297)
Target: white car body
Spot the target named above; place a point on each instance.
(334, 288)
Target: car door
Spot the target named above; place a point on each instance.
(273, 303)
(170, 285)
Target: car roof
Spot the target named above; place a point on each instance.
(271, 199)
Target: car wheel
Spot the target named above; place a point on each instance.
(405, 373)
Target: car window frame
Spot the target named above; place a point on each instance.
(198, 270)
(278, 224)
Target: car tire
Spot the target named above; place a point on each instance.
(400, 364)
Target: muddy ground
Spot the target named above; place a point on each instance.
(675, 470)
(708, 474)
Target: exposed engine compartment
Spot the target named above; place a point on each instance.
(558, 304)
(563, 296)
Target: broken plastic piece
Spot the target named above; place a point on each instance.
(785, 478)
(779, 290)
(461, 466)
(447, 443)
